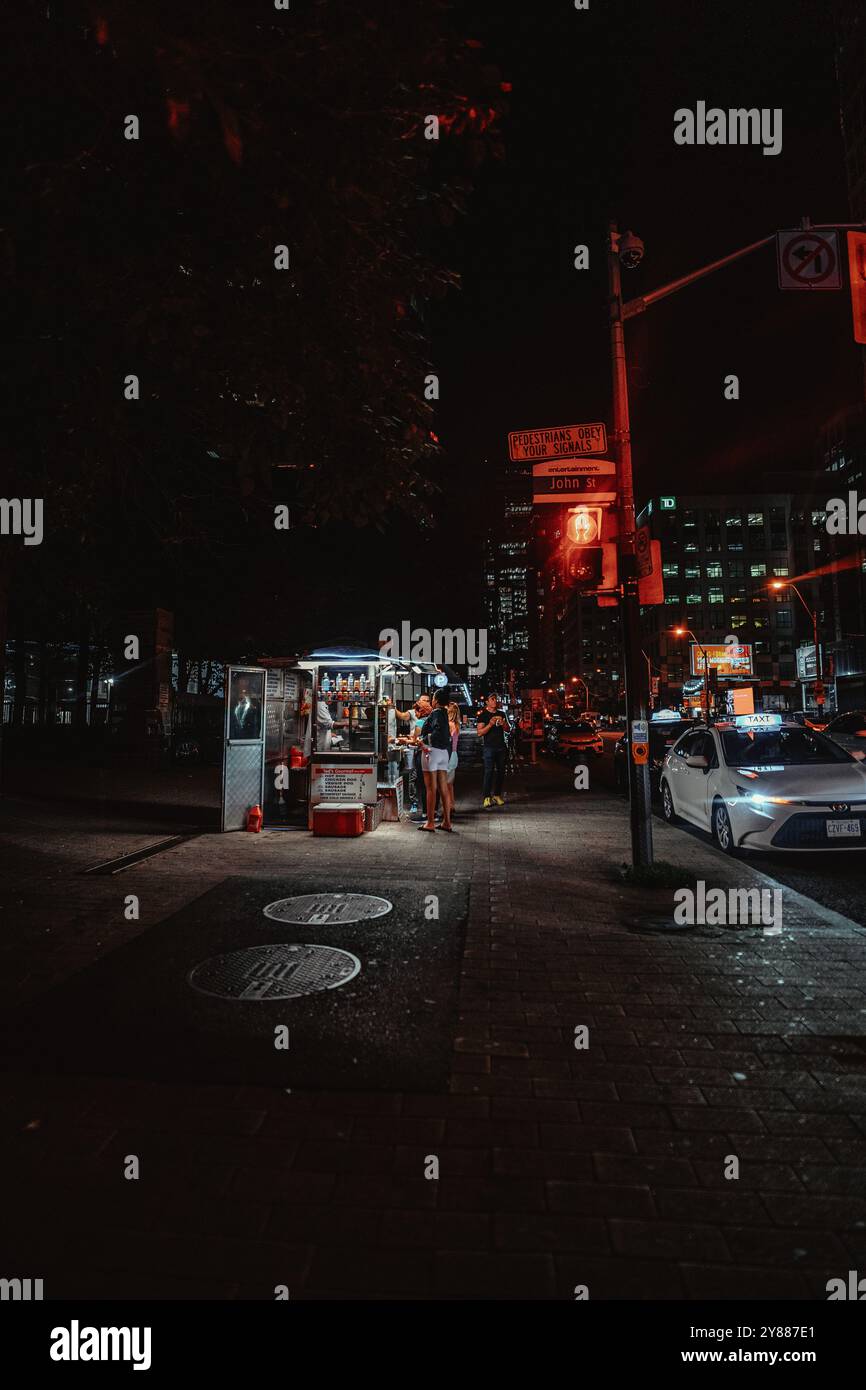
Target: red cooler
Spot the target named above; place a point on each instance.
(338, 818)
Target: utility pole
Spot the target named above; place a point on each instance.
(636, 692)
(626, 248)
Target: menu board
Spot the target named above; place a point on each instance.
(334, 782)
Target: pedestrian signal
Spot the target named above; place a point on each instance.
(583, 567)
(584, 525)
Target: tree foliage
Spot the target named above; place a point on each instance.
(155, 258)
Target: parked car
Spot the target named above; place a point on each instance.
(799, 716)
(574, 736)
(663, 734)
(848, 730)
(759, 783)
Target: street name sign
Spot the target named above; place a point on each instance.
(808, 260)
(558, 442)
(574, 480)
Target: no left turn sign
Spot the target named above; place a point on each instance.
(808, 260)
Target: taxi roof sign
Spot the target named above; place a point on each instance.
(758, 721)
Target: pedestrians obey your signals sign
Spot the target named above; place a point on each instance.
(557, 442)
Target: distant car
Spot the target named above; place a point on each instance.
(759, 783)
(569, 737)
(549, 728)
(663, 734)
(848, 730)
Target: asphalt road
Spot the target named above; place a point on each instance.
(836, 880)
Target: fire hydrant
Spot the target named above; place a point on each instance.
(254, 819)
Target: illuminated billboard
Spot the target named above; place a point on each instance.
(727, 659)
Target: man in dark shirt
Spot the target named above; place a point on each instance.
(492, 728)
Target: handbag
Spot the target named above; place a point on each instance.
(452, 761)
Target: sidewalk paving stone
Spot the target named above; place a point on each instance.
(558, 1165)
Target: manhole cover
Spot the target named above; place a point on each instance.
(321, 909)
(274, 972)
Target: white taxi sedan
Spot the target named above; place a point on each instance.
(759, 783)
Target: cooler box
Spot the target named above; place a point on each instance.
(338, 818)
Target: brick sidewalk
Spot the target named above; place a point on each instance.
(557, 1167)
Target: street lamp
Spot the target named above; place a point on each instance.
(813, 614)
(585, 686)
(686, 631)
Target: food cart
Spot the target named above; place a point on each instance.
(315, 732)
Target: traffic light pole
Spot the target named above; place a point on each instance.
(636, 690)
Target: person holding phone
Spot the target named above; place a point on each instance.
(492, 730)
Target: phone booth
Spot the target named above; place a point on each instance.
(244, 747)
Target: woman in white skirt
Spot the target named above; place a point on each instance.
(437, 754)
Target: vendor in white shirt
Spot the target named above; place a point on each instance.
(325, 739)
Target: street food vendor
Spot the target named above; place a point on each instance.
(416, 716)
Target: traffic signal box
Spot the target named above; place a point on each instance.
(588, 550)
(857, 280)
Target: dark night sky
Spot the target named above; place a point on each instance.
(590, 134)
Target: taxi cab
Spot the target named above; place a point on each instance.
(764, 784)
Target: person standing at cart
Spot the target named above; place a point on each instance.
(436, 736)
(454, 726)
(416, 717)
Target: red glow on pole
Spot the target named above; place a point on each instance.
(848, 562)
(178, 112)
(232, 137)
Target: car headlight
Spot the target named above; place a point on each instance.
(757, 799)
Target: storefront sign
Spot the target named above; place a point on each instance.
(333, 782)
(730, 659)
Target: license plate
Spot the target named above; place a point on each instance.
(841, 829)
